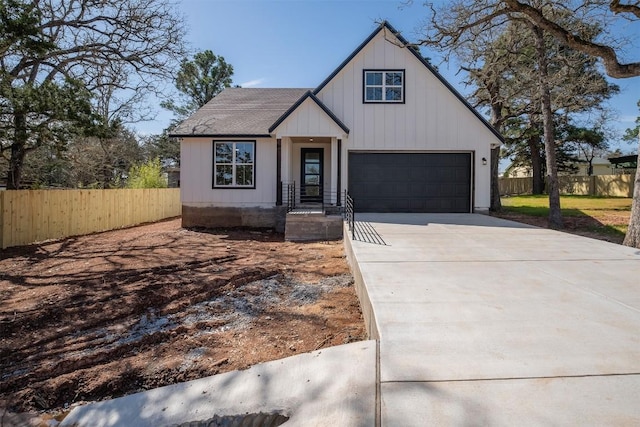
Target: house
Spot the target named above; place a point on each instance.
(173, 177)
(385, 126)
(624, 164)
(600, 166)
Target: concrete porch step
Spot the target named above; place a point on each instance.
(304, 225)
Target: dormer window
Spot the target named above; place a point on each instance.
(383, 86)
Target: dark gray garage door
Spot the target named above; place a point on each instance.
(410, 182)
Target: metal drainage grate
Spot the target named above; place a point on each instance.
(248, 420)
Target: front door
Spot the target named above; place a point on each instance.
(311, 175)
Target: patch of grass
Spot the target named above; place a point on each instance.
(541, 211)
(571, 202)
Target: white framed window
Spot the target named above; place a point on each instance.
(383, 86)
(234, 164)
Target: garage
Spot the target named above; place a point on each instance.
(410, 182)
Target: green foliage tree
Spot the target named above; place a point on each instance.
(147, 175)
(505, 81)
(99, 161)
(526, 75)
(162, 146)
(55, 55)
(587, 142)
(198, 81)
(478, 17)
(41, 115)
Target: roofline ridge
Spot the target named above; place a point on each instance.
(416, 53)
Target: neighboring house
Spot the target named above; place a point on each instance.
(173, 177)
(624, 164)
(600, 167)
(517, 172)
(384, 125)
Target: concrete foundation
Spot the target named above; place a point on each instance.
(229, 217)
(313, 226)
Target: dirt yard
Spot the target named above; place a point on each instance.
(101, 316)
(601, 228)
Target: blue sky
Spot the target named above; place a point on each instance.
(298, 43)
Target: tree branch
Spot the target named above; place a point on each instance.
(616, 8)
(608, 55)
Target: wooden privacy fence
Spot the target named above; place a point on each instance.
(28, 216)
(597, 185)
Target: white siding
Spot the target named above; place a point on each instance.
(308, 120)
(196, 168)
(431, 119)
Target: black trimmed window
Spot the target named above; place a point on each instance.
(234, 164)
(383, 86)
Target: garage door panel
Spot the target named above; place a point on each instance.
(410, 182)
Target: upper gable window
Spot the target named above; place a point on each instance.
(382, 86)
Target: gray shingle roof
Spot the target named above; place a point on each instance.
(239, 111)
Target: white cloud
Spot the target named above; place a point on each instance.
(627, 119)
(254, 82)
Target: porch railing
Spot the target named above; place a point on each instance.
(349, 213)
(297, 197)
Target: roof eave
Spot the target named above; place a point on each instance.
(220, 135)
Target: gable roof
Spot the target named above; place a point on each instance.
(319, 103)
(240, 112)
(416, 53)
(256, 112)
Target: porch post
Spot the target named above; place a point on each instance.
(339, 179)
(334, 171)
(279, 172)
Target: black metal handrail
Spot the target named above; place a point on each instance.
(350, 215)
(295, 196)
(290, 196)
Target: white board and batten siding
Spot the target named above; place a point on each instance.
(432, 119)
(309, 120)
(196, 166)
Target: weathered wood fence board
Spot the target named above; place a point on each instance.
(29, 216)
(597, 185)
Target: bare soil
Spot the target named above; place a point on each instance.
(100, 316)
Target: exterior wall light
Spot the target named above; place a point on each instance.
(484, 160)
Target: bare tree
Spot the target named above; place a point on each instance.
(69, 50)
(463, 22)
(606, 13)
(602, 11)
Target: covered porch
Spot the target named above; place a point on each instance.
(310, 177)
(309, 169)
(310, 186)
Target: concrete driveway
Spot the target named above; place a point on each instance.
(483, 321)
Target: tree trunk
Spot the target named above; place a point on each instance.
(18, 151)
(633, 233)
(495, 203)
(555, 214)
(536, 165)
